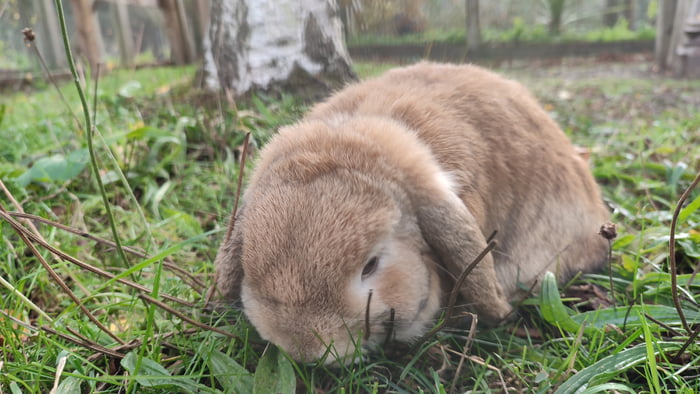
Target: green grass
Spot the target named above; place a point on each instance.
(520, 32)
(176, 148)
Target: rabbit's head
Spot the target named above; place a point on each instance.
(330, 251)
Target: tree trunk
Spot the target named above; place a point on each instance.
(125, 38)
(201, 11)
(556, 9)
(89, 37)
(48, 34)
(631, 14)
(347, 17)
(297, 45)
(181, 45)
(473, 26)
(612, 12)
(664, 29)
(674, 62)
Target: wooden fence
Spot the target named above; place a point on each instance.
(120, 30)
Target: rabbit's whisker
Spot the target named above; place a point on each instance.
(390, 327)
(369, 299)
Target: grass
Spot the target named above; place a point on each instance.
(176, 147)
(520, 32)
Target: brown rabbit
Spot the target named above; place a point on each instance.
(391, 187)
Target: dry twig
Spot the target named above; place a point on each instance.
(183, 274)
(465, 351)
(64, 256)
(52, 273)
(455, 291)
(672, 252)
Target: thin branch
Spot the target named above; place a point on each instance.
(136, 252)
(76, 231)
(455, 291)
(24, 299)
(465, 350)
(92, 346)
(80, 342)
(27, 236)
(17, 226)
(241, 169)
(687, 343)
(180, 315)
(234, 212)
(480, 361)
(664, 325)
(134, 343)
(60, 282)
(672, 252)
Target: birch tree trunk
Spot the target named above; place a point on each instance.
(473, 27)
(296, 45)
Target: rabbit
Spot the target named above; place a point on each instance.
(381, 196)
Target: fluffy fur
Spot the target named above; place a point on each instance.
(416, 168)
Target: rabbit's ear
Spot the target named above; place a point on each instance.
(454, 235)
(229, 270)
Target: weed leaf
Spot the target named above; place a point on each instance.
(147, 132)
(610, 366)
(14, 387)
(629, 316)
(71, 384)
(551, 306)
(233, 377)
(690, 247)
(152, 374)
(609, 388)
(689, 209)
(128, 89)
(274, 373)
(56, 168)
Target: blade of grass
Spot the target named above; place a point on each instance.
(650, 367)
(89, 130)
(611, 366)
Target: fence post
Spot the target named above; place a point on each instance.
(50, 41)
(178, 35)
(88, 31)
(126, 39)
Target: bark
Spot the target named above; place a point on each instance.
(473, 26)
(201, 11)
(664, 29)
(295, 45)
(674, 62)
(49, 39)
(125, 38)
(556, 9)
(612, 12)
(631, 14)
(89, 36)
(181, 46)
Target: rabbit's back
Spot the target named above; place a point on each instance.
(510, 163)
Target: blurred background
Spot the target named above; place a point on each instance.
(138, 33)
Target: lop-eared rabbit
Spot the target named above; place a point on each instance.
(391, 187)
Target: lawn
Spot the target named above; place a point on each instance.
(168, 156)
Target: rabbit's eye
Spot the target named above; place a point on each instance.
(370, 267)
